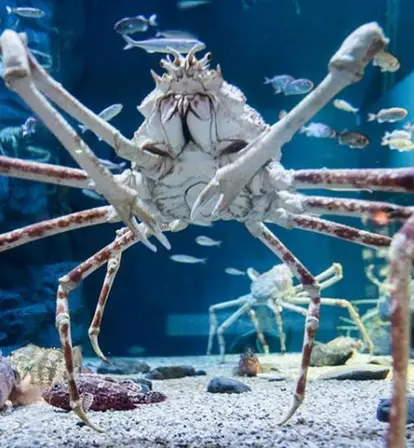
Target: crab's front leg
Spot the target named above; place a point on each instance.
(24, 75)
(346, 67)
(401, 258)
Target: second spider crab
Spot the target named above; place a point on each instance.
(196, 127)
(274, 290)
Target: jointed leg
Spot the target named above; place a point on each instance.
(260, 335)
(260, 231)
(401, 258)
(77, 220)
(274, 307)
(323, 278)
(66, 284)
(352, 312)
(111, 271)
(378, 179)
(228, 322)
(44, 172)
(213, 317)
(21, 73)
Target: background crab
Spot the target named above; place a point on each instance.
(274, 290)
(196, 127)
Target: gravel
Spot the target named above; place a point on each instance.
(335, 414)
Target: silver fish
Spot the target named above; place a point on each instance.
(29, 127)
(112, 166)
(92, 194)
(234, 271)
(202, 223)
(279, 82)
(163, 45)
(206, 241)
(187, 4)
(31, 13)
(298, 87)
(175, 34)
(390, 115)
(345, 106)
(107, 114)
(131, 25)
(187, 259)
(318, 130)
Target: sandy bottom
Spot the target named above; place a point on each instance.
(335, 414)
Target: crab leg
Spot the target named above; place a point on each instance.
(323, 205)
(44, 172)
(77, 220)
(378, 179)
(260, 231)
(260, 335)
(323, 278)
(66, 284)
(334, 229)
(346, 67)
(401, 258)
(111, 270)
(274, 307)
(18, 64)
(351, 310)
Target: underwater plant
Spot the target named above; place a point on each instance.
(199, 130)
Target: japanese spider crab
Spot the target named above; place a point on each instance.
(198, 127)
(274, 290)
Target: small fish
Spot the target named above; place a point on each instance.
(397, 133)
(318, 130)
(163, 45)
(298, 87)
(389, 115)
(386, 61)
(187, 259)
(345, 106)
(279, 82)
(367, 254)
(381, 218)
(112, 166)
(400, 144)
(29, 127)
(107, 114)
(355, 140)
(202, 223)
(249, 364)
(175, 34)
(234, 271)
(92, 194)
(131, 25)
(102, 393)
(188, 4)
(206, 241)
(31, 13)
(409, 127)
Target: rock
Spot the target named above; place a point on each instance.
(201, 373)
(223, 385)
(362, 372)
(171, 372)
(123, 367)
(322, 355)
(335, 352)
(384, 409)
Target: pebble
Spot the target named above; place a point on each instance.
(223, 385)
(123, 367)
(384, 409)
(357, 373)
(170, 372)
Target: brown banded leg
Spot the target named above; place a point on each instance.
(44, 172)
(111, 271)
(401, 258)
(352, 312)
(323, 205)
(44, 229)
(318, 225)
(376, 179)
(66, 284)
(311, 286)
(274, 307)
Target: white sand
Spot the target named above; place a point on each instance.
(335, 414)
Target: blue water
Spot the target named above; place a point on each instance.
(156, 303)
